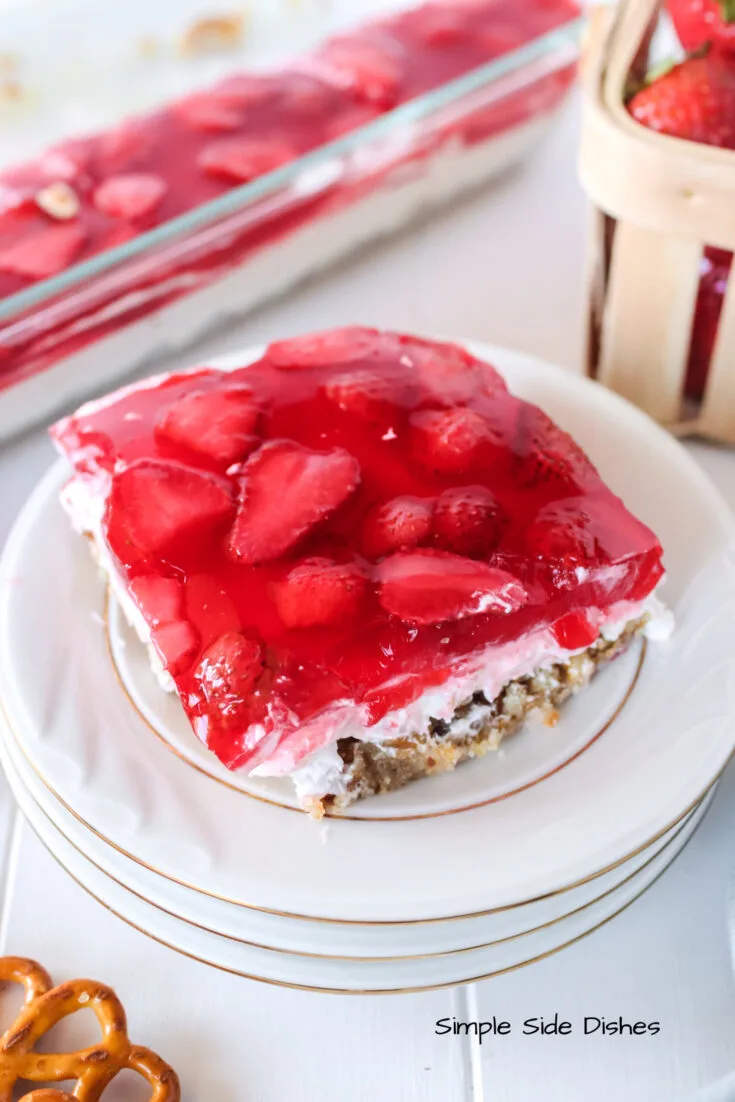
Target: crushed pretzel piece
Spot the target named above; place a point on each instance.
(59, 200)
(148, 46)
(315, 808)
(213, 33)
(11, 90)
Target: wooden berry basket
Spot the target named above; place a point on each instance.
(656, 202)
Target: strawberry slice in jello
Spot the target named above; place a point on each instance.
(359, 559)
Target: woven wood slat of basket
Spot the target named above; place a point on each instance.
(657, 201)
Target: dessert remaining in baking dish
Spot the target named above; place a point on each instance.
(89, 198)
(358, 560)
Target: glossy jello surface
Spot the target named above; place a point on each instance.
(348, 521)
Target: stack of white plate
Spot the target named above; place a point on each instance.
(497, 865)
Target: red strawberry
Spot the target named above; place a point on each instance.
(365, 394)
(130, 195)
(319, 592)
(219, 424)
(228, 673)
(574, 631)
(545, 453)
(177, 644)
(309, 100)
(209, 112)
(699, 22)
(452, 440)
(243, 159)
(124, 148)
(67, 161)
(156, 505)
(247, 91)
(14, 199)
(468, 521)
(285, 490)
(442, 26)
(427, 587)
(160, 599)
(695, 100)
(449, 373)
(45, 252)
(562, 536)
(396, 525)
(714, 273)
(336, 346)
(369, 67)
(302, 94)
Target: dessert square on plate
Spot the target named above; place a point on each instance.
(360, 559)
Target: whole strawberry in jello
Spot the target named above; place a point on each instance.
(468, 521)
(562, 540)
(701, 22)
(396, 525)
(320, 593)
(451, 440)
(546, 456)
(694, 100)
(228, 673)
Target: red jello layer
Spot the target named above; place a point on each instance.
(348, 520)
(89, 195)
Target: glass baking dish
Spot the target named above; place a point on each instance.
(80, 331)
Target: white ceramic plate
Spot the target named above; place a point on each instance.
(527, 759)
(305, 937)
(671, 740)
(344, 976)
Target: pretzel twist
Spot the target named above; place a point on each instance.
(92, 1068)
(48, 1094)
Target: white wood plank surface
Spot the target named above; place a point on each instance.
(666, 959)
(231, 1039)
(10, 830)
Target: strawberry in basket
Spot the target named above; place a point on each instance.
(695, 101)
(703, 22)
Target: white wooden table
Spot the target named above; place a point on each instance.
(504, 267)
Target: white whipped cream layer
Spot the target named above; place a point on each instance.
(322, 772)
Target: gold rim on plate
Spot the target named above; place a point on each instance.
(356, 922)
(355, 959)
(643, 650)
(382, 991)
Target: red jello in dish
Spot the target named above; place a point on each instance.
(359, 559)
(88, 196)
